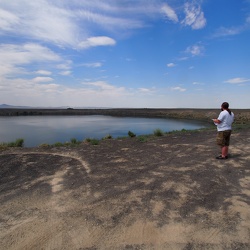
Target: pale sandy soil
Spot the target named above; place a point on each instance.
(166, 193)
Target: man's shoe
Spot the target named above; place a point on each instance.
(220, 157)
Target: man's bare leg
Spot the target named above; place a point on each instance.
(224, 151)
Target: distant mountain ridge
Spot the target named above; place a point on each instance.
(6, 106)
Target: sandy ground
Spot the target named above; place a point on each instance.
(166, 193)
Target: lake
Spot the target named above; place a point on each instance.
(36, 130)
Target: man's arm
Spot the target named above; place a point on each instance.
(216, 121)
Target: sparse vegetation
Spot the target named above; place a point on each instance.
(58, 144)
(74, 141)
(142, 138)
(44, 145)
(92, 141)
(158, 132)
(18, 143)
(131, 134)
(107, 137)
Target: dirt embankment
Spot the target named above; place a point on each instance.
(168, 192)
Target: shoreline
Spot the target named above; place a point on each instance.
(242, 116)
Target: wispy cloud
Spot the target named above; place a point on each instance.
(194, 16)
(237, 80)
(103, 86)
(170, 13)
(198, 83)
(233, 30)
(93, 65)
(42, 79)
(195, 50)
(43, 72)
(65, 73)
(171, 65)
(14, 57)
(178, 89)
(69, 23)
(146, 90)
(97, 41)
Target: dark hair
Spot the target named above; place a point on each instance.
(225, 105)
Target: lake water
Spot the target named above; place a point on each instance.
(36, 130)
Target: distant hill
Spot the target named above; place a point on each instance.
(6, 106)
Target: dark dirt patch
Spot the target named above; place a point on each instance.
(166, 193)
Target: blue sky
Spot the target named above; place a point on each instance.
(125, 53)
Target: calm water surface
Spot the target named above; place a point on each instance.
(36, 130)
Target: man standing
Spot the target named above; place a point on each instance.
(224, 128)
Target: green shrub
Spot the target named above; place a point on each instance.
(94, 141)
(58, 144)
(75, 141)
(131, 134)
(18, 143)
(142, 138)
(158, 132)
(44, 145)
(107, 137)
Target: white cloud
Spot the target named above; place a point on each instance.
(14, 57)
(93, 65)
(170, 13)
(195, 50)
(171, 65)
(104, 86)
(7, 20)
(65, 73)
(234, 30)
(237, 80)
(40, 20)
(64, 66)
(42, 79)
(146, 90)
(178, 89)
(194, 16)
(198, 83)
(97, 41)
(43, 72)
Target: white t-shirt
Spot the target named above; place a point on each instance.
(226, 121)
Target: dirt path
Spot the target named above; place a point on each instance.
(165, 193)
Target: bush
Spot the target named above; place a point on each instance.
(74, 141)
(92, 141)
(158, 132)
(107, 137)
(131, 134)
(58, 144)
(17, 143)
(142, 138)
(44, 145)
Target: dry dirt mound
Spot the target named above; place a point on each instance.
(165, 193)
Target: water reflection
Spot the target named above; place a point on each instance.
(36, 130)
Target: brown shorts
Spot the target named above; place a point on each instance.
(223, 138)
